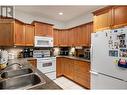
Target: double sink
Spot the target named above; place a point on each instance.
(20, 78)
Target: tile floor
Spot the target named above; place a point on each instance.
(67, 84)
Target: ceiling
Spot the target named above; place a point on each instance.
(51, 12)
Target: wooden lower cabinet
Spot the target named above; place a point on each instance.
(76, 70)
(33, 62)
(68, 68)
(81, 73)
(59, 66)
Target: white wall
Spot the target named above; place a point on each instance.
(27, 18)
(85, 18)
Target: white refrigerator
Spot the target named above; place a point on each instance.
(109, 59)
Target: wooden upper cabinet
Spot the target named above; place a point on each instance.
(102, 19)
(6, 33)
(55, 37)
(65, 37)
(14, 32)
(43, 29)
(110, 17)
(59, 67)
(29, 35)
(84, 35)
(71, 39)
(77, 36)
(49, 29)
(120, 16)
(89, 29)
(19, 31)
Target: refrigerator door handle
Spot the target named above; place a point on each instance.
(93, 72)
(91, 54)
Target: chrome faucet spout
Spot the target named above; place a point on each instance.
(10, 65)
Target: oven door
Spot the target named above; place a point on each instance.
(43, 41)
(46, 65)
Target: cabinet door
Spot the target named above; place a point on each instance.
(76, 36)
(49, 30)
(59, 67)
(60, 37)
(81, 73)
(80, 36)
(71, 38)
(89, 28)
(84, 35)
(120, 16)
(69, 68)
(103, 20)
(29, 35)
(42, 29)
(39, 29)
(65, 38)
(55, 37)
(6, 34)
(19, 34)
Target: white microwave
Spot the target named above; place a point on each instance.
(41, 41)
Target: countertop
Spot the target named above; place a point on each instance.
(49, 83)
(76, 58)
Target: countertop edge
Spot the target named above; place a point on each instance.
(76, 58)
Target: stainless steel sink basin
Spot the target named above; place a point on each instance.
(13, 73)
(22, 82)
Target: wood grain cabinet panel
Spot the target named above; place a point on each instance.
(102, 19)
(81, 73)
(19, 31)
(43, 29)
(68, 68)
(14, 32)
(110, 17)
(59, 67)
(84, 35)
(71, 39)
(119, 16)
(75, 70)
(77, 36)
(29, 35)
(6, 34)
(89, 29)
(55, 37)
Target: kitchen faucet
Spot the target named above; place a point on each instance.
(10, 66)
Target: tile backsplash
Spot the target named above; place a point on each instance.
(14, 51)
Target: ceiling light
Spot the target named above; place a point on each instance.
(60, 13)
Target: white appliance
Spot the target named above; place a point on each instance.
(41, 53)
(109, 59)
(41, 41)
(47, 66)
